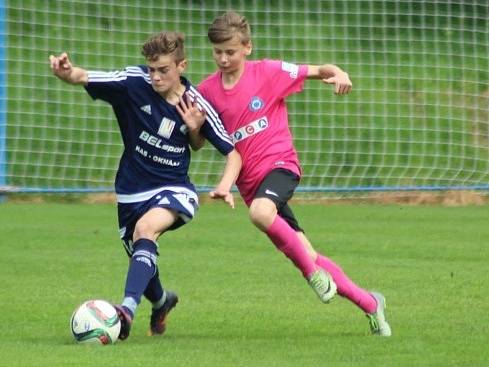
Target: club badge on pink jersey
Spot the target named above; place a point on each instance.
(256, 104)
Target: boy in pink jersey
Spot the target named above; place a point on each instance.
(250, 99)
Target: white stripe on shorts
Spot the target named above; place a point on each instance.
(143, 196)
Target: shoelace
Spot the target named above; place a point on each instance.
(319, 284)
(374, 323)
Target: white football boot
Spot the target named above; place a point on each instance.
(378, 323)
(324, 286)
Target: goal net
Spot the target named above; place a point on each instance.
(417, 119)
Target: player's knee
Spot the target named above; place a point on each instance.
(143, 230)
(261, 216)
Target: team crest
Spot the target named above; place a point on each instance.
(256, 104)
(166, 127)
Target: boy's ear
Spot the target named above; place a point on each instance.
(248, 48)
(182, 65)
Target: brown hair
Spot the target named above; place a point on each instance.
(164, 43)
(224, 27)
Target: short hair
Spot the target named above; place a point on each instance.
(226, 26)
(164, 43)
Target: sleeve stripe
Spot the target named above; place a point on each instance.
(212, 116)
(194, 92)
(116, 76)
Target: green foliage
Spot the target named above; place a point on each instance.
(241, 302)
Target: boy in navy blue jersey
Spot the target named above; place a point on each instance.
(160, 115)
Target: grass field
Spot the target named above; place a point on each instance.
(241, 302)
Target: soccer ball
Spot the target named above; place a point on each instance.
(95, 321)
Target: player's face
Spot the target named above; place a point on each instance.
(230, 56)
(165, 73)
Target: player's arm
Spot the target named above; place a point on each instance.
(214, 131)
(193, 116)
(197, 141)
(62, 67)
(331, 74)
(229, 176)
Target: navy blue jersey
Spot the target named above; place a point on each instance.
(156, 143)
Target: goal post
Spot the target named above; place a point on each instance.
(417, 118)
(3, 98)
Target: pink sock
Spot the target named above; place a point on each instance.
(346, 288)
(287, 241)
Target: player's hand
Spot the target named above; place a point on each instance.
(341, 82)
(191, 112)
(61, 66)
(225, 195)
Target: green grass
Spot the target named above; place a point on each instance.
(241, 302)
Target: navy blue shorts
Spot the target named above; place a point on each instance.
(279, 186)
(184, 202)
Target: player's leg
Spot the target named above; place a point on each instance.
(275, 190)
(143, 262)
(372, 303)
(319, 278)
(346, 287)
(142, 267)
(286, 213)
(184, 203)
(144, 222)
(263, 214)
(162, 300)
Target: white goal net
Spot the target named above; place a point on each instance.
(418, 116)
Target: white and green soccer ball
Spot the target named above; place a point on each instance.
(95, 321)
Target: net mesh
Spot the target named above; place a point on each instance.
(418, 116)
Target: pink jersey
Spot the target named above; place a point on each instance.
(255, 115)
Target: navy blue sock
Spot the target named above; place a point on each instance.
(141, 269)
(154, 290)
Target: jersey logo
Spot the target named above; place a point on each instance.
(184, 129)
(270, 192)
(256, 104)
(164, 201)
(122, 232)
(146, 109)
(166, 127)
(292, 69)
(250, 129)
